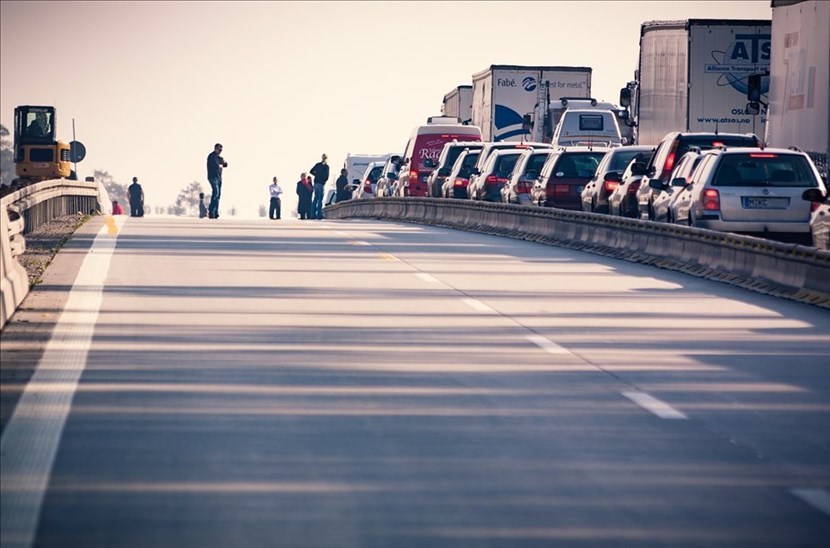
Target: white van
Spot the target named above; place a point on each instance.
(587, 127)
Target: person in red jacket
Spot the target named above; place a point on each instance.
(116, 208)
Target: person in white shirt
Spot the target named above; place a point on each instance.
(276, 206)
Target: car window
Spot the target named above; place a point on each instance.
(375, 174)
(578, 164)
(505, 163)
(764, 169)
(535, 162)
(622, 158)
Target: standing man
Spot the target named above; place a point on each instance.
(276, 206)
(136, 199)
(215, 164)
(320, 171)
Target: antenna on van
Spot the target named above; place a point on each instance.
(716, 126)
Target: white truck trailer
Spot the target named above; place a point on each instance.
(693, 76)
(799, 105)
(503, 94)
(459, 103)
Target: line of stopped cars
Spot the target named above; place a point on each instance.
(718, 181)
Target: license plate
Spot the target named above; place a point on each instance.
(765, 203)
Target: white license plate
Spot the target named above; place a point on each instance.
(765, 203)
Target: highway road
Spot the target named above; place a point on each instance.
(372, 384)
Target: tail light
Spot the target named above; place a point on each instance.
(494, 180)
(669, 165)
(413, 176)
(814, 206)
(367, 186)
(711, 200)
(561, 190)
(459, 182)
(634, 187)
(524, 187)
(611, 186)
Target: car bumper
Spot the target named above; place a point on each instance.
(801, 227)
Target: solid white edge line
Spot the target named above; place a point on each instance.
(478, 305)
(817, 498)
(652, 404)
(547, 345)
(31, 438)
(426, 277)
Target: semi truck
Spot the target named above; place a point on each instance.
(693, 75)
(504, 94)
(799, 105)
(458, 102)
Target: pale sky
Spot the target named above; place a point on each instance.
(153, 85)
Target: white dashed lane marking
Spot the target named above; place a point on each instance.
(548, 346)
(652, 404)
(817, 498)
(478, 305)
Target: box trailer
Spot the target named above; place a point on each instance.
(799, 105)
(504, 94)
(459, 103)
(693, 76)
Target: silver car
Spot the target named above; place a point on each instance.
(526, 171)
(820, 218)
(751, 190)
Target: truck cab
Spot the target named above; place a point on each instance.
(38, 154)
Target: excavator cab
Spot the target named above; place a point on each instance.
(38, 155)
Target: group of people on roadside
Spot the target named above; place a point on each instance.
(136, 195)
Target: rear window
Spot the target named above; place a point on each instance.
(623, 157)
(469, 160)
(578, 164)
(591, 122)
(374, 175)
(536, 162)
(505, 163)
(764, 169)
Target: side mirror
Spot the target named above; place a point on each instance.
(813, 195)
(679, 182)
(611, 177)
(638, 168)
(625, 97)
(651, 171)
(392, 176)
(395, 159)
(656, 184)
(753, 108)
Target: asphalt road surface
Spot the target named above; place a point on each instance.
(238, 383)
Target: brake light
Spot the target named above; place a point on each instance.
(413, 176)
(494, 180)
(669, 163)
(814, 206)
(717, 144)
(634, 187)
(367, 186)
(711, 200)
(763, 155)
(460, 182)
(611, 186)
(524, 187)
(562, 189)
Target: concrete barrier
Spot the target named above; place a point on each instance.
(27, 209)
(792, 271)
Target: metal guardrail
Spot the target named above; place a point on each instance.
(792, 271)
(25, 210)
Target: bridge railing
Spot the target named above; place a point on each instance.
(25, 210)
(796, 272)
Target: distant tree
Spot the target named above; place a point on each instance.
(115, 190)
(187, 202)
(7, 174)
(171, 210)
(263, 211)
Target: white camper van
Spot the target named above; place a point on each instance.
(587, 127)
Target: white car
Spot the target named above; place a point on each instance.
(367, 185)
(754, 191)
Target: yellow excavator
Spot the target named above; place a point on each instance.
(38, 155)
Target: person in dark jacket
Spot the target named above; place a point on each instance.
(304, 191)
(344, 191)
(136, 199)
(215, 164)
(320, 171)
